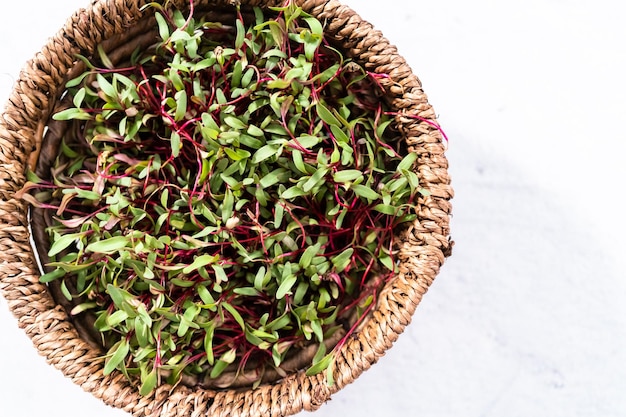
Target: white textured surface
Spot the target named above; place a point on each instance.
(528, 318)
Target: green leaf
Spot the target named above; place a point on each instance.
(208, 121)
(234, 122)
(264, 153)
(205, 295)
(78, 80)
(183, 283)
(397, 184)
(259, 279)
(82, 307)
(181, 105)
(279, 84)
(279, 212)
(250, 141)
(235, 79)
(342, 260)
(176, 144)
(143, 315)
(412, 177)
(315, 25)
(62, 243)
(165, 197)
(233, 183)
(306, 141)
(51, 276)
(311, 43)
(164, 30)
(116, 318)
(312, 39)
(386, 209)
(108, 245)
(148, 383)
(285, 286)
(339, 134)
(347, 175)
(273, 177)
(79, 97)
(199, 262)
(106, 87)
(233, 312)
(118, 352)
(104, 58)
(279, 323)
(227, 206)
(298, 161)
(222, 363)
(257, 104)
(205, 232)
(315, 179)
(84, 194)
(66, 292)
(365, 192)
(327, 74)
(407, 162)
(316, 326)
(141, 332)
(237, 154)
(255, 131)
(319, 354)
(220, 275)
(246, 291)
(309, 254)
(191, 312)
(118, 295)
(204, 64)
(221, 98)
(326, 115)
(330, 377)
(247, 78)
(321, 365)
(241, 33)
(72, 114)
(208, 343)
(387, 261)
(380, 130)
(293, 192)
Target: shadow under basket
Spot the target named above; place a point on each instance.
(118, 27)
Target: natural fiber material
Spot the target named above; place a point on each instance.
(119, 26)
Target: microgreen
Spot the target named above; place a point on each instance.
(233, 195)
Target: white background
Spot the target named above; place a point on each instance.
(528, 317)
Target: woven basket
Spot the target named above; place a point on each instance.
(23, 127)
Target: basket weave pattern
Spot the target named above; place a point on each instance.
(424, 245)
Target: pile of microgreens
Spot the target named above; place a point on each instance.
(231, 197)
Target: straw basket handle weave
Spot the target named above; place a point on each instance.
(425, 244)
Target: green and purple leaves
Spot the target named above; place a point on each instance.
(234, 193)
